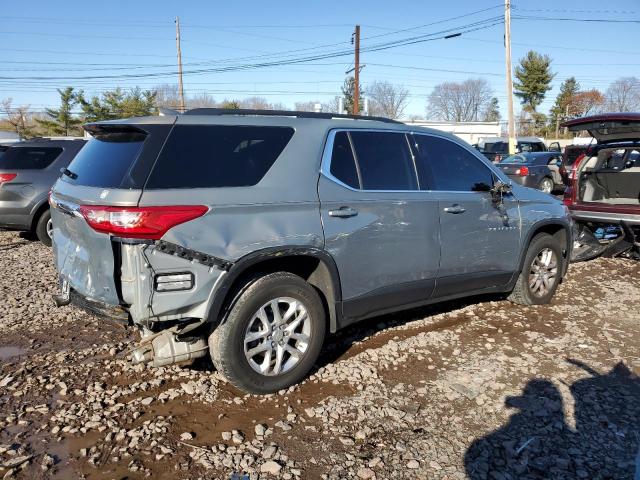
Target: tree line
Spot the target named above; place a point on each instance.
(470, 100)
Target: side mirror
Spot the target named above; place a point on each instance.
(555, 147)
(499, 190)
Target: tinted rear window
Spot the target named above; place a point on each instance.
(209, 156)
(28, 158)
(343, 165)
(107, 159)
(385, 161)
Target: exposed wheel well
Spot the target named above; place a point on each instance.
(312, 269)
(36, 216)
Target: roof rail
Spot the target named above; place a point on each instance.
(283, 113)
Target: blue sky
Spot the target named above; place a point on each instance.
(62, 40)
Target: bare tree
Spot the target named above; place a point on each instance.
(307, 106)
(623, 95)
(332, 106)
(256, 103)
(167, 96)
(460, 102)
(19, 118)
(387, 100)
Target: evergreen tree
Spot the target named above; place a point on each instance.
(533, 80)
(568, 90)
(117, 103)
(62, 121)
(348, 91)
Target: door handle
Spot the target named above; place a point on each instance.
(343, 212)
(455, 209)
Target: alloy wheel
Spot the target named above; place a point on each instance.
(543, 272)
(277, 336)
(49, 228)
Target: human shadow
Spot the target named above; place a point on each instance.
(537, 442)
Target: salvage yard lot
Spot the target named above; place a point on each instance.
(451, 391)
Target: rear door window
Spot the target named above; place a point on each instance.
(343, 164)
(531, 147)
(28, 158)
(384, 160)
(450, 167)
(209, 156)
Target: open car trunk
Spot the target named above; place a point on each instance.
(612, 177)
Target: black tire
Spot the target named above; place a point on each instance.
(41, 228)
(227, 342)
(523, 294)
(546, 181)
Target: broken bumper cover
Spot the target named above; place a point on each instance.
(99, 309)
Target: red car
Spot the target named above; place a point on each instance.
(603, 194)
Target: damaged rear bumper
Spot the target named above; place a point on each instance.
(99, 309)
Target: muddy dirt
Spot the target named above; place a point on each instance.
(479, 388)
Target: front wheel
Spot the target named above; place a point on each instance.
(546, 185)
(44, 228)
(541, 272)
(272, 334)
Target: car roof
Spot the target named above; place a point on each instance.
(309, 120)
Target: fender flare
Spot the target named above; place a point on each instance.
(239, 267)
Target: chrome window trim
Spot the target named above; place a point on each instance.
(325, 164)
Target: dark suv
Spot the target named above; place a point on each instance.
(28, 170)
(250, 235)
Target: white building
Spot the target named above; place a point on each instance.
(468, 131)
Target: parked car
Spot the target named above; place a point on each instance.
(604, 191)
(539, 170)
(28, 170)
(250, 234)
(497, 148)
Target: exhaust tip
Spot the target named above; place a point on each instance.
(141, 355)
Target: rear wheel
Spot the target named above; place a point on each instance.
(541, 272)
(272, 335)
(546, 185)
(44, 228)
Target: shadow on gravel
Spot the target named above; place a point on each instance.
(338, 344)
(537, 443)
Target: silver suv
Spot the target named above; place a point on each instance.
(251, 235)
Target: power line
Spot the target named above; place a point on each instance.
(483, 24)
(584, 20)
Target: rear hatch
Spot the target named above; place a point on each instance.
(609, 128)
(110, 170)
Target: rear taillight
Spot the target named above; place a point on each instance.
(522, 171)
(139, 222)
(571, 192)
(7, 177)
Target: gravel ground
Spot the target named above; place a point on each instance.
(475, 389)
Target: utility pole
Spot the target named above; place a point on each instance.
(511, 128)
(180, 86)
(356, 90)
